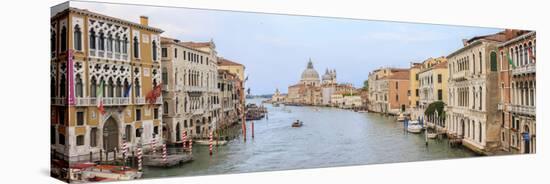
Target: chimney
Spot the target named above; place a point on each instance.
(464, 42)
(144, 20)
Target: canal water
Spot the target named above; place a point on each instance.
(329, 137)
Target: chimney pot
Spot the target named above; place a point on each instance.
(144, 20)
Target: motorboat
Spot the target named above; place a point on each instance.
(401, 118)
(414, 127)
(432, 135)
(297, 123)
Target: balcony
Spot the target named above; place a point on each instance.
(461, 75)
(523, 109)
(107, 101)
(59, 101)
(142, 101)
(525, 69)
(100, 53)
(92, 52)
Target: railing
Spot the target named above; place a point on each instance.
(100, 53)
(525, 69)
(523, 109)
(107, 101)
(92, 52)
(124, 57)
(109, 54)
(117, 56)
(142, 100)
(464, 74)
(59, 101)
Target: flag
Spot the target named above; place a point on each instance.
(152, 96)
(127, 90)
(70, 73)
(510, 61)
(531, 54)
(100, 98)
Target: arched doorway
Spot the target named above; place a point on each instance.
(526, 140)
(110, 135)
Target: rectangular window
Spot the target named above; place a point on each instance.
(184, 55)
(164, 52)
(138, 132)
(62, 116)
(61, 139)
(439, 78)
(128, 133)
(79, 118)
(93, 137)
(416, 92)
(52, 135)
(396, 85)
(397, 97)
(80, 140)
(175, 53)
(416, 77)
(138, 114)
(156, 113)
(439, 94)
(156, 130)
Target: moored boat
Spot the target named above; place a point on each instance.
(414, 127)
(297, 123)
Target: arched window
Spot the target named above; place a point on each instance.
(137, 87)
(480, 98)
(126, 90)
(154, 50)
(521, 53)
(110, 88)
(480, 63)
(102, 87)
(109, 42)
(125, 45)
(474, 63)
(165, 107)
(117, 43)
(78, 86)
(517, 56)
(531, 53)
(177, 104)
(92, 39)
(512, 55)
(93, 88)
(62, 87)
(526, 54)
(52, 42)
(136, 47)
(119, 89)
(493, 61)
(63, 42)
(52, 87)
(480, 132)
(101, 41)
(77, 38)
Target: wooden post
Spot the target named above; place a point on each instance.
(133, 159)
(90, 156)
(100, 155)
(252, 124)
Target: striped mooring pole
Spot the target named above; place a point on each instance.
(124, 150)
(210, 143)
(184, 139)
(139, 158)
(191, 145)
(154, 146)
(164, 153)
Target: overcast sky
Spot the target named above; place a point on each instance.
(275, 48)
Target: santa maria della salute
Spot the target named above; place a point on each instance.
(320, 91)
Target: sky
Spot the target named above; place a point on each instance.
(275, 49)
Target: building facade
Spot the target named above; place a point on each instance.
(99, 93)
(517, 85)
(388, 90)
(433, 78)
(473, 94)
(190, 76)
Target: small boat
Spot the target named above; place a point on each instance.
(206, 142)
(432, 135)
(297, 123)
(401, 118)
(93, 172)
(414, 127)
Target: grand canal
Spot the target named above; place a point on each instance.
(329, 137)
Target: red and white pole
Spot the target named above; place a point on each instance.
(154, 146)
(124, 151)
(210, 142)
(164, 153)
(184, 139)
(191, 145)
(139, 158)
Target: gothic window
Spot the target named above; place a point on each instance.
(93, 88)
(110, 88)
(77, 38)
(136, 47)
(52, 87)
(79, 89)
(109, 42)
(63, 41)
(125, 45)
(517, 56)
(119, 90)
(117, 43)
(137, 87)
(126, 85)
(480, 63)
(101, 41)
(493, 61)
(52, 42)
(92, 39)
(480, 98)
(525, 54)
(480, 132)
(62, 87)
(154, 50)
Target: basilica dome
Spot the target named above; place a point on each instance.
(310, 75)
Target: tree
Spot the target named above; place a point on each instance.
(366, 84)
(435, 106)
